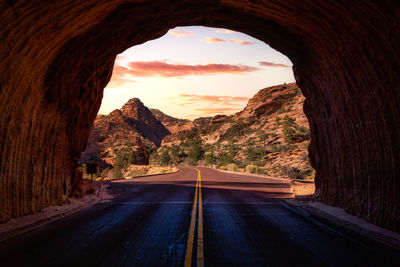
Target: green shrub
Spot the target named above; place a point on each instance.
(292, 172)
(210, 158)
(262, 171)
(165, 158)
(196, 151)
(252, 168)
(223, 168)
(232, 167)
(263, 136)
(116, 172)
(288, 129)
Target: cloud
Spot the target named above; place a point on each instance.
(270, 64)
(241, 42)
(215, 111)
(181, 33)
(226, 31)
(210, 104)
(212, 99)
(213, 40)
(114, 83)
(120, 77)
(164, 69)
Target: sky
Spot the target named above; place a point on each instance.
(195, 71)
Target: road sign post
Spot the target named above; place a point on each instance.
(91, 168)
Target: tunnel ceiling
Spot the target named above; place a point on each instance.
(57, 57)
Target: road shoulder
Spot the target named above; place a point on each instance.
(20, 225)
(349, 224)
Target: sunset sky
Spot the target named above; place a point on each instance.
(195, 71)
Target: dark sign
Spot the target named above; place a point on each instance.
(91, 168)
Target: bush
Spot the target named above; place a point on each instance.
(223, 168)
(292, 172)
(196, 151)
(288, 129)
(116, 172)
(232, 167)
(255, 155)
(210, 158)
(251, 168)
(165, 158)
(263, 136)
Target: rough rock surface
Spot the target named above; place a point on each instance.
(57, 56)
(173, 125)
(259, 128)
(134, 123)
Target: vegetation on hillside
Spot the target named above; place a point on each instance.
(256, 144)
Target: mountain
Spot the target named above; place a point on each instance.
(173, 125)
(271, 134)
(132, 127)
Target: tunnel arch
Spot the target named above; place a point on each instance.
(58, 57)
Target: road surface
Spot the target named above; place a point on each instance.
(152, 221)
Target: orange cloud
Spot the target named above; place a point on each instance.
(213, 40)
(215, 111)
(226, 31)
(163, 69)
(210, 101)
(210, 105)
(119, 77)
(181, 33)
(241, 42)
(270, 64)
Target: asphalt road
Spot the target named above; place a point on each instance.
(149, 223)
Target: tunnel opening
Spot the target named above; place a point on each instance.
(53, 81)
(210, 79)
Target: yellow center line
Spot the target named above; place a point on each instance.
(189, 248)
(200, 258)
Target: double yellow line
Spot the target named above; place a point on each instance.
(189, 249)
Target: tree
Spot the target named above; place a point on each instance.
(132, 157)
(225, 158)
(116, 172)
(154, 158)
(175, 151)
(288, 129)
(165, 158)
(196, 151)
(121, 160)
(254, 155)
(210, 158)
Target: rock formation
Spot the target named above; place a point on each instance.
(173, 125)
(253, 136)
(133, 125)
(57, 56)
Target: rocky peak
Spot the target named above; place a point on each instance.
(268, 101)
(173, 125)
(134, 109)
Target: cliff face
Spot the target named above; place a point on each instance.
(133, 126)
(259, 135)
(56, 58)
(173, 125)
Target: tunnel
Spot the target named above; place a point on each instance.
(57, 57)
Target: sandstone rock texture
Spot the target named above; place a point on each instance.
(134, 125)
(57, 56)
(173, 125)
(253, 137)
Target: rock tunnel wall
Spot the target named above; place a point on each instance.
(57, 56)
